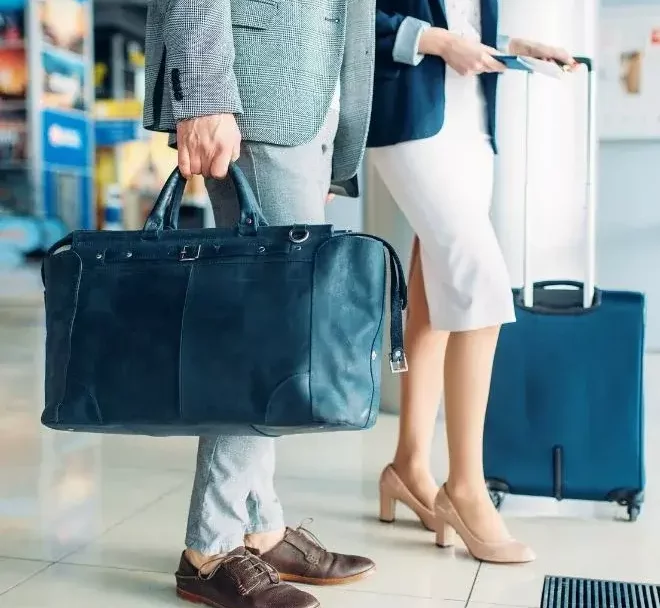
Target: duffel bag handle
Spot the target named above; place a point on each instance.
(165, 212)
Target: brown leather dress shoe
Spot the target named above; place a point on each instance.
(239, 580)
(301, 558)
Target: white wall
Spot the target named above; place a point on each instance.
(629, 217)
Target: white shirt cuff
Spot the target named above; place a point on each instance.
(406, 45)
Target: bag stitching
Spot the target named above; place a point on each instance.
(70, 337)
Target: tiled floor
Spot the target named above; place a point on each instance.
(89, 520)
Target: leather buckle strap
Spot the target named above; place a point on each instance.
(398, 303)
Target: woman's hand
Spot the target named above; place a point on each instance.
(466, 56)
(529, 48)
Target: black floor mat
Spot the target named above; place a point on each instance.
(567, 592)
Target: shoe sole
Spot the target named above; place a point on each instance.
(392, 521)
(198, 599)
(326, 582)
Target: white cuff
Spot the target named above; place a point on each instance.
(406, 45)
(503, 43)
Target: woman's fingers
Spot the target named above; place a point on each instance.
(490, 64)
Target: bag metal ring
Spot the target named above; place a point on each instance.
(296, 235)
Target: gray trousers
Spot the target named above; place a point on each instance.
(234, 493)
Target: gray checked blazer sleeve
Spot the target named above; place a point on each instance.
(199, 58)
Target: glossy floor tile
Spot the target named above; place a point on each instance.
(13, 572)
(91, 520)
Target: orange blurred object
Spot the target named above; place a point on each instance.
(13, 74)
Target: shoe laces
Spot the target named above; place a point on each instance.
(255, 569)
(308, 534)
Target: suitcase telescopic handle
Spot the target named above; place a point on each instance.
(585, 61)
(589, 285)
(165, 213)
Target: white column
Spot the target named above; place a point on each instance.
(556, 161)
(557, 151)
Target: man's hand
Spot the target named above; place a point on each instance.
(207, 145)
(467, 57)
(529, 48)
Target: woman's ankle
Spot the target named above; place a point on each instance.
(417, 476)
(462, 490)
(476, 509)
(406, 463)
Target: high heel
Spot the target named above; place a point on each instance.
(387, 507)
(445, 535)
(393, 490)
(448, 523)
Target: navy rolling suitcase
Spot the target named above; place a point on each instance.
(565, 414)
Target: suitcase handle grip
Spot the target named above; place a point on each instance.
(558, 283)
(165, 213)
(585, 61)
(549, 298)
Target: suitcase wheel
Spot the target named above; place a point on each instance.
(497, 498)
(631, 499)
(633, 512)
(497, 489)
(633, 505)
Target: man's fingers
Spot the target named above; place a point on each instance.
(195, 162)
(184, 162)
(206, 162)
(236, 153)
(219, 165)
(207, 145)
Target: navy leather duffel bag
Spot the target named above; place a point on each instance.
(253, 330)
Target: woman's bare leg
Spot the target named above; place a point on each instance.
(468, 366)
(421, 390)
(467, 359)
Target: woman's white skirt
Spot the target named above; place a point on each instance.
(443, 185)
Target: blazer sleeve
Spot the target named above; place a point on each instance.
(397, 37)
(199, 60)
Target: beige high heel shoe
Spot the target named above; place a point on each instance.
(448, 523)
(393, 490)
